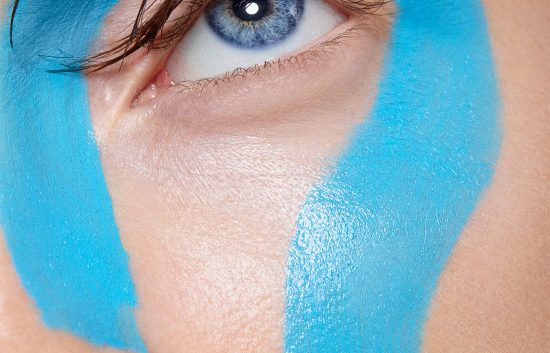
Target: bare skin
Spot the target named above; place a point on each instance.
(209, 266)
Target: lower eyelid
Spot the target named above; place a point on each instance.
(314, 54)
(317, 54)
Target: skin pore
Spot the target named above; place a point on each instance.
(209, 266)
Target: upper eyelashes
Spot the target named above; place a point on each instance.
(159, 23)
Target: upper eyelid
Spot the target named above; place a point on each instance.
(149, 31)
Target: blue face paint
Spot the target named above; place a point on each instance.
(374, 236)
(55, 209)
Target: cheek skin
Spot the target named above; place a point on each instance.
(21, 327)
(375, 234)
(206, 191)
(493, 295)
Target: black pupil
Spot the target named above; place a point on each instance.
(250, 10)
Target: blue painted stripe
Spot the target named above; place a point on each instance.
(374, 236)
(54, 206)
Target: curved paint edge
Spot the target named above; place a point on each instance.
(374, 235)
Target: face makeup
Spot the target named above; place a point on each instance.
(55, 209)
(374, 236)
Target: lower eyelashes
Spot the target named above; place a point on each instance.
(254, 23)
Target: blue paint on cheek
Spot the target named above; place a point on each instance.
(374, 236)
(55, 209)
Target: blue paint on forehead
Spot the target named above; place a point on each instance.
(54, 206)
(374, 236)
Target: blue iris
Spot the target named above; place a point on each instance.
(254, 23)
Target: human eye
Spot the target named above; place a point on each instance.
(177, 45)
(244, 33)
(227, 64)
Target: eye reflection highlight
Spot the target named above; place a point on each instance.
(252, 8)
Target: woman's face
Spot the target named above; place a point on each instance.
(171, 202)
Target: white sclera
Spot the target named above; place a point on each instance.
(202, 53)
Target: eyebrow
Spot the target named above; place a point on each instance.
(151, 32)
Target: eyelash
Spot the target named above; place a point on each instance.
(310, 55)
(151, 34)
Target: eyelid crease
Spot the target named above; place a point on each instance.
(152, 33)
